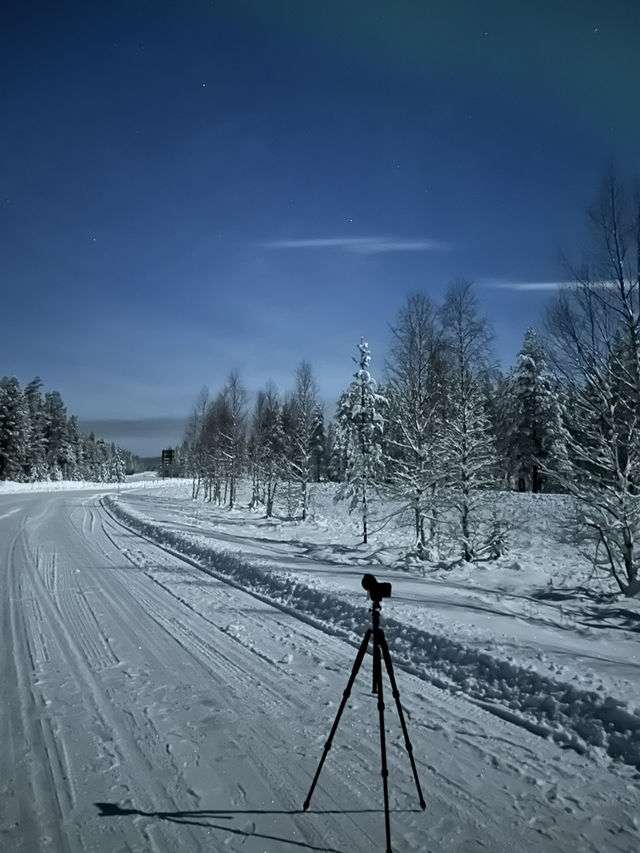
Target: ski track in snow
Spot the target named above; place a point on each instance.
(153, 705)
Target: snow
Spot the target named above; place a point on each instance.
(147, 479)
(552, 660)
(175, 668)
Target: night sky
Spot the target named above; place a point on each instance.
(194, 187)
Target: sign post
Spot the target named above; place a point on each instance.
(167, 461)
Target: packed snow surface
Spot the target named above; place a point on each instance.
(174, 670)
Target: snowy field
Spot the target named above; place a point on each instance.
(524, 631)
(176, 668)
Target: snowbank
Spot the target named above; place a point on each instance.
(136, 481)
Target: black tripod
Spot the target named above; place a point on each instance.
(377, 591)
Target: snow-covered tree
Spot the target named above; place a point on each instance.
(73, 469)
(14, 430)
(415, 370)
(235, 397)
(467, 446)
(534, 432)
(192, 449)
(37, 447)
(494, 392)
(38, 441)
(337, 442)
(217, 452)
(300, 421)
(59, 453)
(117, 472)
(266, 448)
(361, 423)
(595, 334)
(319, 445)
(217, 441)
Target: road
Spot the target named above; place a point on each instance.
(189, 715)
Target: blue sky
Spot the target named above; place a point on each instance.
(187, 189)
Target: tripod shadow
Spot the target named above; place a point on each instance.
(205, 817)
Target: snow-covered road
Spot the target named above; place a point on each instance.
(190, 715)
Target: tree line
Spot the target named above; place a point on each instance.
(39, 441)
(444, 426)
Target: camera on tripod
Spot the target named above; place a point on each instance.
(377, 591)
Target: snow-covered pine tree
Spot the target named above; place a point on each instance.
(37, 450)
(89, 458)
(361, 422)
(467, 447)
(14, 430)
(494, 392)
(101, 461)
(319, 445)
(59, 452)
(337, 441)
(117, 465)
(74, 460)
(535, 438)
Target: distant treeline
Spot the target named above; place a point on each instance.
(39, 441)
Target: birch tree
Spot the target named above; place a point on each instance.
(467, 446)
(415, 374)
(302, 432)
(595, 335)
(266, 448)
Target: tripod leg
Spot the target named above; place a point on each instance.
(377, 681)
(396, 695)
(346, 694)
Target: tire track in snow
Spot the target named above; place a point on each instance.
(229, 670)
(281, 702)
(33, 802)
(106, 718)
(71, 601)
(277, 699)
(35, 637)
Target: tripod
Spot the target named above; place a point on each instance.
(380, 649)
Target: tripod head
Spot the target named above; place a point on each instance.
(376, 590)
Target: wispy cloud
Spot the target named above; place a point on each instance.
(527, 285)
(361, 245)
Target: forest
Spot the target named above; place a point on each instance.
(39, 441)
